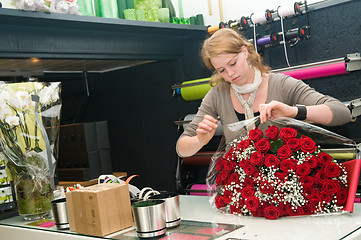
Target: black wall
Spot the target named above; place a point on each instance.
(139, 105)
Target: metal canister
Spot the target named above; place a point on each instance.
(172, 209)
(149, 217)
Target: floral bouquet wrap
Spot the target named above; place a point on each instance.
(29, 127)
(278, 169)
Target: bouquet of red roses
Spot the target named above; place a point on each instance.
(279, 174)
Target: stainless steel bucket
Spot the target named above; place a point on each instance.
(149, 217)
(173, 216)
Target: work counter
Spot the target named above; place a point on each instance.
(198, 209)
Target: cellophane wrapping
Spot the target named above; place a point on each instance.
(279, 168)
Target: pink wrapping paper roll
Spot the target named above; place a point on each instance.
(201, 187)
(317, 72)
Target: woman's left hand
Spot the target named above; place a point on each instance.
(275, 109)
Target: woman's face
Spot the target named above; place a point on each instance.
(233, 67)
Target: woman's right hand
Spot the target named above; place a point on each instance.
(206, 129)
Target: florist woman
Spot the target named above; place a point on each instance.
(244, 88)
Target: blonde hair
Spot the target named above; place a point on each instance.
(225, 41)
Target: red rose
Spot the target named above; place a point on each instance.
(248, 182)
(244, 144)
(256, 159)
(263, 145)
(255, 134)
(230, 154)
(331, 186)
(307, 181)
(219, 164)
(266, 188)
(271, 161)
(293, 143)
(281, 175)
(324, 196)
(288, 165)
(283, 208)
(247, 192)
(219, 180)
(272, 132)
(229, 166)
(287, 133)
(303, 170)
(295, 211)
(235, 208)
(310, 192)
(324, 158)
(284, 152)
(252, 203)
(312, 161)
(243, 162)
(250, 170)
(227, 196)
(234, 178)
(307, 145)
(320, 177)
(307, 210)
(225, 176)
(313, 204)
(271, 212)
(219, 201)
(341, 197)
(332, 170)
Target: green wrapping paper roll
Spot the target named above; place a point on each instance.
(130, 4)
(195, 92)
(86, 7)
(106, 8)
(122, 5)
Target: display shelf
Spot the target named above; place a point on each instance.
(26, 34)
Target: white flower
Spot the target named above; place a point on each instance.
(23, 95)
(49, 94)
(4, 96)
(5, 112)
(12, 120)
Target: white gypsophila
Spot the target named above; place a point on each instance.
(49, 94)
(5, 112)
(12, 120)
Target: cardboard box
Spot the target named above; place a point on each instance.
(99, 209)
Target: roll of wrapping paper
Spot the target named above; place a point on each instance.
(163, 15)
(192, 20)
(190, 117)
(319, 71)
(199, 19)
(106, 8)
(202, 190)
(195, 92)
(130, 4)
(342, 156)
(86, 7)
(199, 159)
(122, 5)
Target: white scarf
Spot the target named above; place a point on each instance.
(252, 90)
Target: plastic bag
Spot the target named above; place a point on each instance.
(29, 129)
(278, 169)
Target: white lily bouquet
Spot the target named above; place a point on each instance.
(29, 127)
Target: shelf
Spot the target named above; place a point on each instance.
(26, 34)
